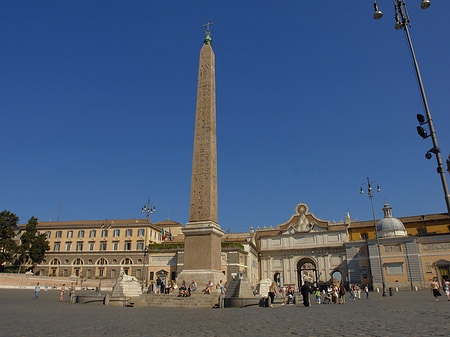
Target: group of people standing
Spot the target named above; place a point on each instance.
(334, 293)
(186, 290)
(71, 289)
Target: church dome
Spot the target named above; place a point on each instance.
(390, 226)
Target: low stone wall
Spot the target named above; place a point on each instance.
(22, 281)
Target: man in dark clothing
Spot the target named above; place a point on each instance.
(163, 287)
(305, 290)
(158, 285)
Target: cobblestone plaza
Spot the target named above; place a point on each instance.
(405, 313)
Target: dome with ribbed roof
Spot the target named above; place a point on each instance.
(390, 226)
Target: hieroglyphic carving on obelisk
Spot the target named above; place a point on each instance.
(204, 163)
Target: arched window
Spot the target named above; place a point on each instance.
(102, 261)
(78, 261)
(55, 262)
(126, 261)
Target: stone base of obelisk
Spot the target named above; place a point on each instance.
(202, 277)
(202, 254)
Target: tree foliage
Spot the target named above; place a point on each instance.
(8, 247)
(38, 249)
(32, 246)
(27, 239)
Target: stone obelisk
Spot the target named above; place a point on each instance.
(202, 243)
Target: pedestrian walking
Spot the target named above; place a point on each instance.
(305, 290)
(358, 292)
(163, 287)
(317, 295)
(71, 292)
(272, 293)
(447, 288)
(61, 294)
(366, 290)
(435, 289)
(37, 289)
(158, 285)
(342, 294)
(335, 294)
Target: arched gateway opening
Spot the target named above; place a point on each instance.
(306, 272)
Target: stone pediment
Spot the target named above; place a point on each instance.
(303, 222)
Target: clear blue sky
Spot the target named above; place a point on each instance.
(97, 108)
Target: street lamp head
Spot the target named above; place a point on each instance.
(425, 4)
(421, 119)
(377, 14)
(361, 190)
(422, 132)
(398, 25)
(378, 188)
(428, 155)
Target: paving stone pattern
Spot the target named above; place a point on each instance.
(406, 313)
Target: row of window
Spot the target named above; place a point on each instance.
(101, 261)
(103, 233)
(103, 246)
(90, 273)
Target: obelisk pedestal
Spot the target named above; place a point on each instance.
(202, 243)
(202, 253)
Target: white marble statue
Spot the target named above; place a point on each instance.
(125, 278)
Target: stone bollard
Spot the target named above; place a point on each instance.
(415, 288)
(222, 301)
(106, 300)
(378, 290)
(396, 289)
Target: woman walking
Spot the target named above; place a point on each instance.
(435, 288)
(446, 287)
(61, 294)
(272, 292)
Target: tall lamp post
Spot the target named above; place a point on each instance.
(370, 194)
(102, 258)
(402, 21)
(148, 209)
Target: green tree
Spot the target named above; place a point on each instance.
(38, 248)
(8, 247)
(32, 247)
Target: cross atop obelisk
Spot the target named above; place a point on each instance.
(207, 26)
(208, 36)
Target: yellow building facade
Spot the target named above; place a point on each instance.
(100, 249)
(407, 256)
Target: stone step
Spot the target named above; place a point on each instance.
(157, 300)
